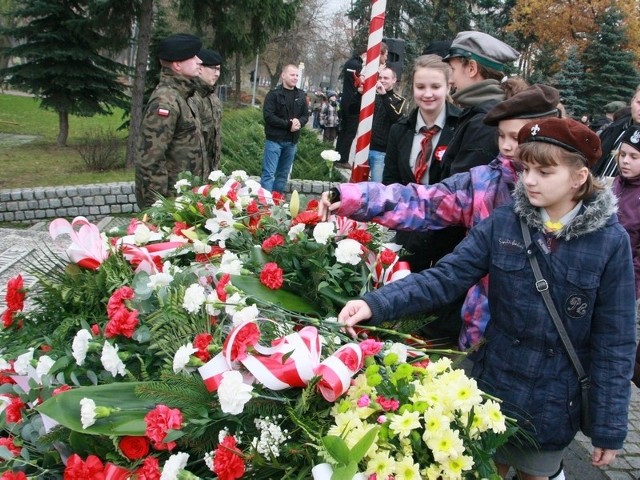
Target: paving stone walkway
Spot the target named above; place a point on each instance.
(18, 247)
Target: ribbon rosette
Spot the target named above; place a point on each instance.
(292, 361)
(386, 270)
(88, 247)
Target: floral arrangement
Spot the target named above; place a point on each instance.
(199, 343)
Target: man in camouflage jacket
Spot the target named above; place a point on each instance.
(210, 108)
(171, 140)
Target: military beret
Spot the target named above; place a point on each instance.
(613, 107)
(178, 47)
(534, 102)
(440, 48)
(483, 48)
(565, 133)
(210, 58)
(632, 137)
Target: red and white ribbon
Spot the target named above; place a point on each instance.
(360, 172)
(292, 361)
(88, 247)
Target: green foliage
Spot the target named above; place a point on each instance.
(611, 73)
(570, 83)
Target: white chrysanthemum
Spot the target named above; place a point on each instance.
(142, 234)
(247, 314)
(87, 412)
(491, 417)
(323, 231)
(201, 247)
(453, 467)
(111, 361)
(462, 393)
(194, 297)
(212, 304)
(44, 365)
(22, 363)
(330, 155)
(296, 231)
(407, 469)
(159, 280)
(181, 185)
(216, 175)
(233, 393)
(80, 346)
(182, 357)
(230, 263)
(446, 445)
(403, 424)
(435, 421)
(348, 251)
(381, 464)
(401, 350)
(174, 465)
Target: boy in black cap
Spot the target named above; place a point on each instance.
(171, 140)
(478, 61)
(210, 108)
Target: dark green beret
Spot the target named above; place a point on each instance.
(210, 58)
(178, 47)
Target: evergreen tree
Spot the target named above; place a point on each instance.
(59, 45)
(609, 63)
(570, 82)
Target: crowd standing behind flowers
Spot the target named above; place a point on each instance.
(200, 343)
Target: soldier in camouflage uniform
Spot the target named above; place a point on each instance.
(171, 140)
(210, 108)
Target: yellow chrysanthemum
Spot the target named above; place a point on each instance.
(403, 424)
(453, 467)
(491, 416)
(406, 469)
(344, 423)
(446, 445)
(381, 464)
(435, 422)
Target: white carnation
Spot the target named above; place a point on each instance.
(174, 465)
(348, 251)
(87, 412)
(22, 363)
(201, 247)
(80, 346)
(216, 175)
(44, 365)
(233, 393)
(194, 297)
(247, 314)
(330, 155)
(212, 303)
(230, 263)
(323, 231)
(158, 280)
(111, 361)
(182, 357)
(180, 184)
(239, 175)
(233, 302)
(295, 231)
(142, 234)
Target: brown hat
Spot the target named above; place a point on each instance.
(565, 133)
(534, 102)
(632, 137)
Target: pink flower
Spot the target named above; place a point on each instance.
(364, 401)
(388, 404)
(271, 276)
(370, 347)
(159, 421)
(381, 419)
(275, 240)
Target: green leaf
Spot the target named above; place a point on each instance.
(361, 448)
(173, 435)
(345, 472)
(337, 299)
(337, 448)
(282, 298)
(64, 408)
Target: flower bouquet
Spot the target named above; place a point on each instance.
(196, 343)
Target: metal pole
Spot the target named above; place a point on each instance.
(255, 81)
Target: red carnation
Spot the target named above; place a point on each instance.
(134, 448)
(159, 421)
(13, 476)
(117, 300)
(361, 236)
(77, 469)
(275, 240)
(150, 469)
(14, 409)
(388, 404)
(95, 329)
(271, 276)
(247, 336)
(387, 257)
(370, 347)
(350, 358)
(202, 342)
(308, 217)
(227, 462)
(277, 197)
(125, 324)
(313, 204)
(222, 284)
(7, 318)
(7, 442)
(178, 227)
(15, 294)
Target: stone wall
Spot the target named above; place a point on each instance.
(31, 205)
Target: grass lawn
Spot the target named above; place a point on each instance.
(41, 163)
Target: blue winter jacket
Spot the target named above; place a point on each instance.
(522, 360)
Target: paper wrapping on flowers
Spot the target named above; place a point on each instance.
(292, 361)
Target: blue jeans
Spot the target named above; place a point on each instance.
(376, 165)
(276, 164)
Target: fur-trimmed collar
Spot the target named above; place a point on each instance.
(594, 214)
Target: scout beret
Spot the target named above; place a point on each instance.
(483, 48)
(210, 58)
(534, 102)
(178, 47)
(632, 137)
(440, 48)
(565, 133)
(613, 107)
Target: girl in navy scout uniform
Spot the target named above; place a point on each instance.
(585, 255)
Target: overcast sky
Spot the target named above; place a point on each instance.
(335, 5)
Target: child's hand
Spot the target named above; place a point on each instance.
(354, 312)
(325, 207)
(600, 456)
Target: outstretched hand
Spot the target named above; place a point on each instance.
(354, 312)
(325, 207)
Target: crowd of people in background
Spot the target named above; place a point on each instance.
(444, 175)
